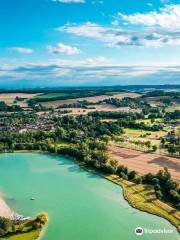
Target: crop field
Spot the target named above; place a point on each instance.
(144, 163)
(74, 94)
(9, 98)
(173, 108)
(93, 99)
(157, 101)
(54, 95)
(135, 132)
(144, 133)
(99, 108)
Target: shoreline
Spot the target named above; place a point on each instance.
(165, 213)
(132, 193)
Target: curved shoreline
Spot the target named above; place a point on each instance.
(134, 197)
(163, 212)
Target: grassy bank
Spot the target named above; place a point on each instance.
(143, 198)
(25, 236)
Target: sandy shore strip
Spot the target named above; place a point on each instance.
(5, 210)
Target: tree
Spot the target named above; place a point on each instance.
(171, 148)
(132, 175)
(154, 148)
(114, 164)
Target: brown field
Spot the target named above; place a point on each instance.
(89, 99)
(100, 108)
(103, 97)
(157, 101)
(9, 98)
(173, 108)
(145, 162)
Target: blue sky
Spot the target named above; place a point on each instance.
(89, 42)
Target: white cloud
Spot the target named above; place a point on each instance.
(87, 30)
(64, 49)
(87, 62)
(114, 36)
(150, 4)
(62, 74)
(97, 61)
(22, 50)
(167, 18)
(69, 1)
(152, 29)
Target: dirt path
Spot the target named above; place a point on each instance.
(145, 162)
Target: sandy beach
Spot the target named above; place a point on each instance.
(5, 210)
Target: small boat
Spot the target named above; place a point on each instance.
(32, 199)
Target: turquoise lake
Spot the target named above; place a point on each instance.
(80, 205)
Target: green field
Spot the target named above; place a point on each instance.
(62, 95)
(131, 137)
(53, 95)
(25, 236)
(135, 132)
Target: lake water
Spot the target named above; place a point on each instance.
(80, 205)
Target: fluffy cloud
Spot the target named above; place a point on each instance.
(22, 50)
(69, 1)
(65, 49)
(115, 36)
(153, 29)
(168, 18)
(86, 30)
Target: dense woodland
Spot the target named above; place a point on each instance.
(127, 102)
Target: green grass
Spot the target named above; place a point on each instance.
(53, 95)
(62, 143)
(25, 236)
(135, 132)
(148, 121)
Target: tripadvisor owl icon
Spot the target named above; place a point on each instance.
(139, 231)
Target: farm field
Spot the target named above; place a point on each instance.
(144, 134)
(99, 108)
(94, 99)
(173, 108)
(9, 98)
(134, 138)
(144, 163)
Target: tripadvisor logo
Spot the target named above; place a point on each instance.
(139, 231)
